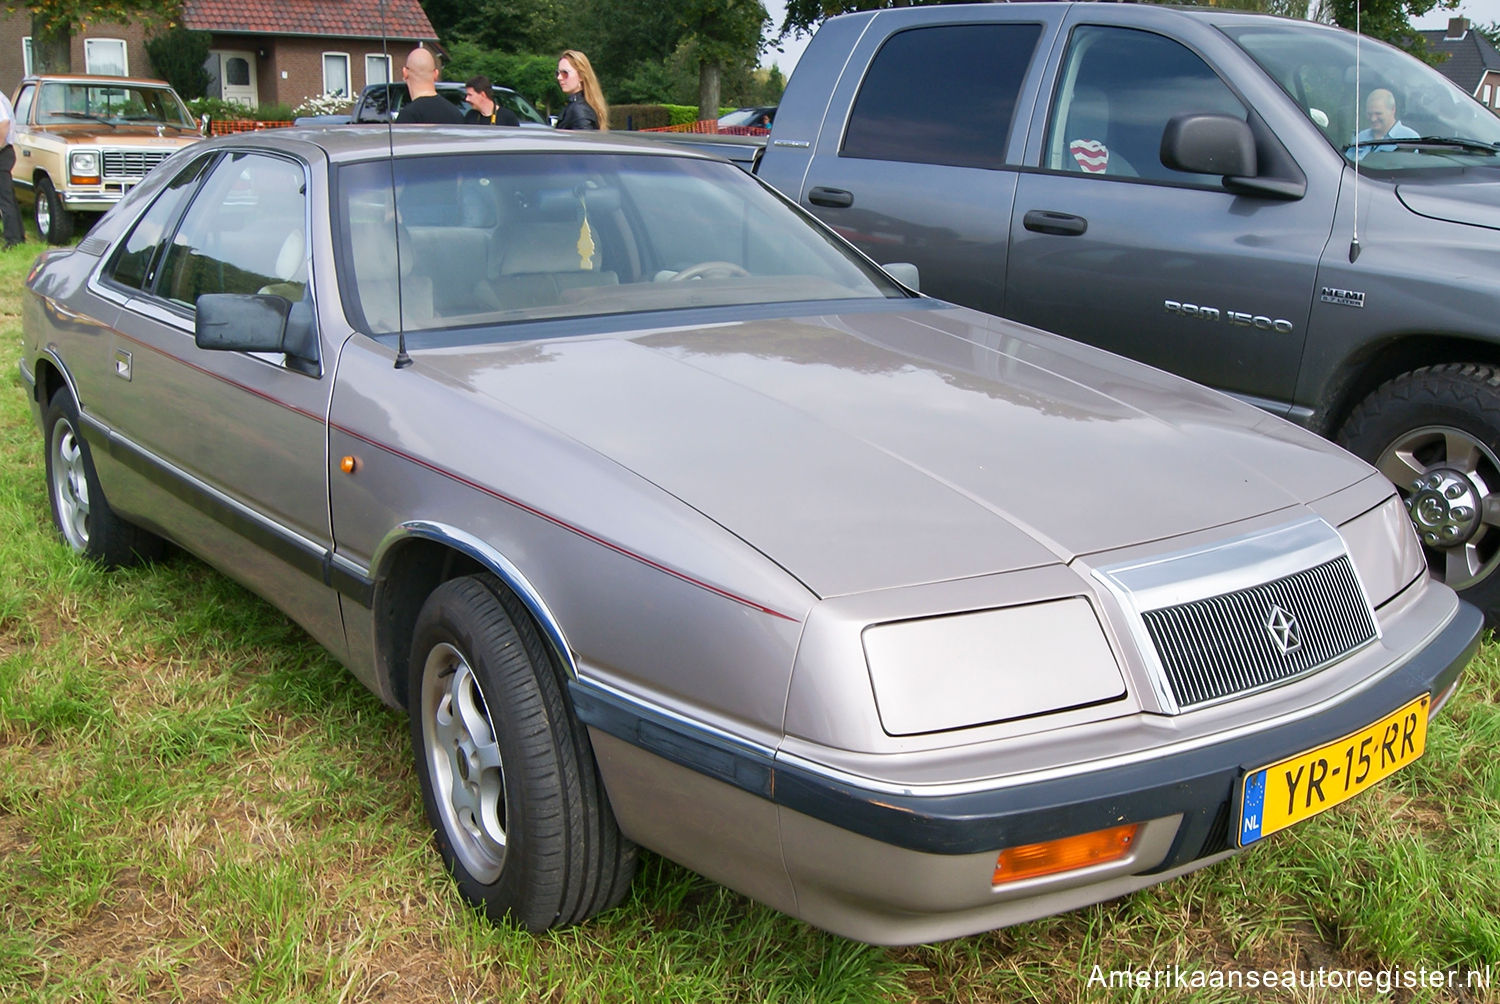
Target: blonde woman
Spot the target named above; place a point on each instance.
(586, 107)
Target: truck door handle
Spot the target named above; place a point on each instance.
(833, 198)
(1045, 221)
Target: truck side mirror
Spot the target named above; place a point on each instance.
(1209, 144)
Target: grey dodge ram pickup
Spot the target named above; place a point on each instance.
(1192, 188)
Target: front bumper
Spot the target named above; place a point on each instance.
(97, 199)
(895, 866)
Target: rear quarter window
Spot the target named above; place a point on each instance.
(942, 95)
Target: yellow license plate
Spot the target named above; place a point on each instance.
(1302, 786)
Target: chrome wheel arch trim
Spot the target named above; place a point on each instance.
(496, 563)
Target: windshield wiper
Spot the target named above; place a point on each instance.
(1458, 141)
(83, 115)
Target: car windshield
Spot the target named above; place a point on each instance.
(115, 104)
(523, 108)
(492, 239)
(739, 117)
(380, 99)
(1377, 105)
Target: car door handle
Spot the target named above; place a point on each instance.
(1045, 221)
(833, 198)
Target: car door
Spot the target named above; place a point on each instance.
(1111, 247)
(233, 443)
(919, 171)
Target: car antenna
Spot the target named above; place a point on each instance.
(402, 359)
(1354, 241)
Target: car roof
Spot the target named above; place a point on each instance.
(358, 142)
(93, 78)
(442, 85)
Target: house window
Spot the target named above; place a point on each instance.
(335, 73)
(377, 68)
(237, 71)
(1487, 95)
(26, 56)
(105, 56)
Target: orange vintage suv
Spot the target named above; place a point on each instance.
(83, 141)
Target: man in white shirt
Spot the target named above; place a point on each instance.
(1380, 110)
(10, 213)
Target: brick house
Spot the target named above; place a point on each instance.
(1472, 63)
(262, 51)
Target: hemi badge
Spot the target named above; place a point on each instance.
(1346, 297)
(800, 144)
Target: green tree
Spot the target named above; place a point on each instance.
(725, 33)
(804, 16)
(177, 56)
(514, 26)
(54, 21)
(626, 38)
(1387, 20)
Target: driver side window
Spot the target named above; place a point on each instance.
(1118, 90)
(245, 232)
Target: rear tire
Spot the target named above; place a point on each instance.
(508, 776)
(80, 511)
(53, 221)
(1435, 432)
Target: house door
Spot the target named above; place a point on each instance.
(236, 76)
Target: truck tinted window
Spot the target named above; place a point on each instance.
(909, 109)
(1118, 89)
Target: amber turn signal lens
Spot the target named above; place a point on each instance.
(348, 465)
(1065, 855)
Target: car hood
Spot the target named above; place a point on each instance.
(1473, 201)
(883, 448)
(135, 134)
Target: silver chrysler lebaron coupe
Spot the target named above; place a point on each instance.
(674, 522)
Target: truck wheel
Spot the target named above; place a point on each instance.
(53, 221)
(1435, 432)
(79, 509)
(507, 773)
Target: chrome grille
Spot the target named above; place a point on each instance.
(1236, 642)
(132, 163)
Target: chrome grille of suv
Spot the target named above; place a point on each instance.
(132, 163)
(1239, 641)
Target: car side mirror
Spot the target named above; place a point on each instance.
(255, 322)
(905, 273)
(1209, 144)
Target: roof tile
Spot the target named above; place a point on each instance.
(350, 18)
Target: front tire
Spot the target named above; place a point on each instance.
(53, 221)
(80, 511)
(1435, 432)
(508, 776)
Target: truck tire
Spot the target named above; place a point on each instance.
(53, 221)
(1435, 432)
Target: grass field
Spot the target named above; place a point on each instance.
(196, 804)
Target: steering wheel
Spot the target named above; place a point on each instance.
(705, 269)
